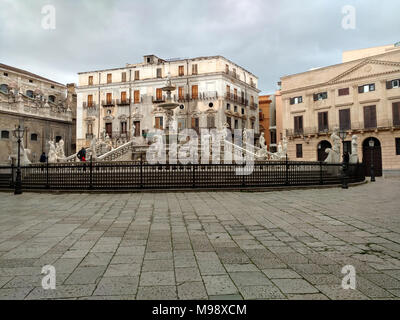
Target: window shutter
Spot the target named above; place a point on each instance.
(396, 114)
(291, 100)
(320, 121)
(361, 89)
(389, 85)
(315, 97)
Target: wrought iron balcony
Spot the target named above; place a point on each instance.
(235, 98)
(123, 102)
(158, 99)
(89, 104)
(108, 103)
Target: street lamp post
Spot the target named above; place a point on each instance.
(343, 135)
(18, 133)
(371, 145)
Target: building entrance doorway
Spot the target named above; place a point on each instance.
(372, 155)
(321, 150)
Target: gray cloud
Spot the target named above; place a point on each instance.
(270, 38)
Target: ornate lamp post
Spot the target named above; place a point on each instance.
(18, 133)
(371, 145)
(343, 135)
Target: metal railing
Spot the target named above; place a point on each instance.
(141, 175)
(108, 103)
(235, 98)
(89, 104)
(123, 102)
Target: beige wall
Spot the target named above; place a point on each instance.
(373, 70)
(365, 53)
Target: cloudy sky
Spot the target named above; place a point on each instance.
(270, 38)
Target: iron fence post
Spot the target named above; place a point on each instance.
(287, 171)
(194, 176)
(243, 180)
(12, 174)
(321, 182)
(141, 172)
(91, 173)
(47, 174)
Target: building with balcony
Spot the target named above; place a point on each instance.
(45, 109)
(123, 102)
(360, 96)
(265, 102)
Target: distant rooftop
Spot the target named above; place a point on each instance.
(27, 73)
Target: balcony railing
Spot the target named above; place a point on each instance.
(89, 104)
(235, 98)
(208, 95)
(385, 124)
(156, 99)
(123, 102)
(108, 103)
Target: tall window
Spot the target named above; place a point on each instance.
(90, 80)
(136, 96)
(296, 100)
(228, 91)
(137, 75)
(159, 73)
(90, 100)
(322, 121)
(181, 70)
(159, 94)
(34, 137)
(252, 101)
(123, 127)
(52, 98)
(344, 92)
(210, 121)
(366, 88)
(181, 93)
(397, 146)
(393, 84)
(109, 98)
(299, 151)
(159, 123)
(298, 125)
(123, 96)
(123, 77)
(236, 124)
(320, 96)
(226, 68)
(235, 94)
(195, 124)
(195, 92)
(396, 114)
(109, 78)
(194, 69)
(344, 119)
(370, 117)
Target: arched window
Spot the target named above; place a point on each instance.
(29, 93)
(5, 134)
(52, 98)
(4, 88)
(34, 137)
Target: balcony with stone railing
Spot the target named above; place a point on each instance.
(21, 105)
(123, 102)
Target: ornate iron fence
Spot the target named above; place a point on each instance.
(140, 175)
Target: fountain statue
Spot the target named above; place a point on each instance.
(354, 149)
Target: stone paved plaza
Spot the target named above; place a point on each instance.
(203, 245)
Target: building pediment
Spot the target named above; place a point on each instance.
(367, 68)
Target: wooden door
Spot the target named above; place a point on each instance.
(109, 129)
(123, 97)
(109, 98)
(137, 128)
(159, 94)
(372, 155)
(137, 96)
(195, 92)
